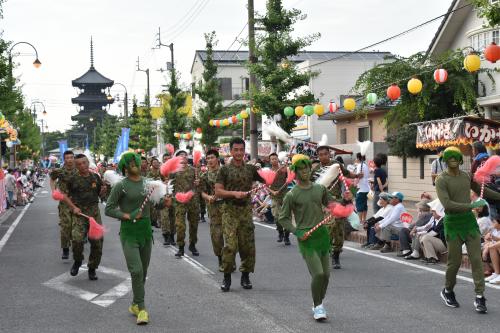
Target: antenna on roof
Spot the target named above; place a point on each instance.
(91, 53)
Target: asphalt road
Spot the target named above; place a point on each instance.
(370, 294)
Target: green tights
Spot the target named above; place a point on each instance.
(319, 268)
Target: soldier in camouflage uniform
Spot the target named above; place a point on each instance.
(59, 179)
(144, 166)
(278, 190)
(84, 190)
(154, 173)
(337, 229)
(214, 205)
(234, 183)
(185, 181)
(167, 216)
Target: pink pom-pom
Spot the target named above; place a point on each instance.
(196, 157)
(170, 148)
(96, 231)
(339, 210)
(57, 195)
(171, 166)
(290, 176)
(348, 182)
(483, 174)
(184, 197)
(268, 175)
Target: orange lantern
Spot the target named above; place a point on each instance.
(234, 120)
(217, 123)
(393, 92)
(492, 52)
(198, 130)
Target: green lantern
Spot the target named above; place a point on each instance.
(309, 110)
(289, 111)
(238, 116)
(372, 98)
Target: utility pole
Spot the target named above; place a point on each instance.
(253, 80)
(148, 103)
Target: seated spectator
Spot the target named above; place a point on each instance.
(432, 237)
(385, 209)
(406, 237)
(492, 248)
(390, 225)
(482, 215)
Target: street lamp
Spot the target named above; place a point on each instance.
(43, 127)
(33, 104)
(125, 109)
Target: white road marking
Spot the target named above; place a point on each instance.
(194, 263)
(437, 271)
(44, 192)
(104, 300)
(13, 226)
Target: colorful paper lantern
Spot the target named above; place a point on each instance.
(217, 123)
(198, 130)
(211, 122)
(244, 114)
(288, 111)
(393, 92)
(187, 136)
(414, 86)
(319, 109)
(492, 52)
(440, 75)
(234, 119)
(472, 63)
(299, 111)
(238, 116)
(230, 120)
(309, 110)
(332, 107)
(248, 110)
(372, 98)
(225, 122)
(349, 104)
(177, 135)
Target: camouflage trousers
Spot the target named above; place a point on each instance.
(154, 215)
(239, 236)
(337, 233)
(192, 210)
(275, 209)
(215, 215)
(79, 232)
(167, 217)
(65, 221)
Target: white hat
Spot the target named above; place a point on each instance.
(437, 207)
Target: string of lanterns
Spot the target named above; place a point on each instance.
(189, 135)
(234, 119)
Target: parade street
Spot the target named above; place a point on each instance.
(369, 294)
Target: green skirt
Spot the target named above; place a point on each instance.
(318, 243)
(138, 232)
(461, 225)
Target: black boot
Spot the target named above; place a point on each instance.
(226, 283)
(336, 260)
(166, 239)
(180, 253)
(245, 280)
(193, 250)
(172, 240)
(280, 236)
(287, 238)
(75, 268)
(92, 274)
(65, 254)
(220, 263)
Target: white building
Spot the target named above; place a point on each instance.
(336, 77)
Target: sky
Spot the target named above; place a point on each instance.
(123, 30)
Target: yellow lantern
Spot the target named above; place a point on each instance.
(414, 86)
(244, 114)
(319, 109)
(299, 111)
(211, 122)
(472, 63)
(349, 104)
(225, 122)
(177, 135)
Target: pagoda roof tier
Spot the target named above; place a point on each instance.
(95, 99)
(97, 114)
(92, 77)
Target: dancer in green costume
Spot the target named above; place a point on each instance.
(306, 201)
(453, 189)
(136, 236)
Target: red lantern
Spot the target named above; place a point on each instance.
(198, 130)
(217, 123)
(393, 92)
(332, 107)
(492, 52)
(234, 120)
(188, 136)
(440, 75)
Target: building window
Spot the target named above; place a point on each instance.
(480, 40)
(405, 170)
(246, 84)
(363, 134)
(495, 36)
(225, 88)
(193, 90)
(343, 136)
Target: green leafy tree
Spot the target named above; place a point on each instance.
(175, 118)
(436, 101)
(488, 10)
(28, 134)
(209, 94)
(51, 140)
(107, 133)
(279, 76)
(142, 128)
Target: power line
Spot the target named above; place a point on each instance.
(183, 27)
(176, 25)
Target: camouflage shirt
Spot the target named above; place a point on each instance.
(238, 178)
(336, 189)
(208, 180)
(184, 180)
(62, 176)
(156, 175)
(84, 190)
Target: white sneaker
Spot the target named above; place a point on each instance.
(495, 280)
(491, 277)
(319, 313)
